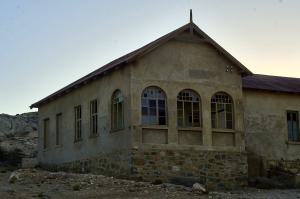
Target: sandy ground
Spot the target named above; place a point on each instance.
(32, 183)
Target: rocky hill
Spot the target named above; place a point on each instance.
(19, 132)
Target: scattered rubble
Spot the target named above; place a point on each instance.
(35, 183)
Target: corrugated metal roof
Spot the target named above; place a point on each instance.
(272, 83)
(122, 61)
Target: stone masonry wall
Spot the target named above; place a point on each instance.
(216, 170)
(292, 166)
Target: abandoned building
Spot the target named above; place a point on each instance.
(179, 107)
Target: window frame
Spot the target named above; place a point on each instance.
(298, 125)
(46, 133)
(94, 127)
(78, 123)
(156, 107)
(58, 129)
(192, 102)
(217, 126)
(115, 114)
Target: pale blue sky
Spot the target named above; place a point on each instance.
(45, 45)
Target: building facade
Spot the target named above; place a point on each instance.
(175, 109)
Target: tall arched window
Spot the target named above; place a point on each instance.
(117, 110)
(154, 106)
(188, 109)
(222, 111)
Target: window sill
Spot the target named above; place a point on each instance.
(293, 142)
(224, 130)
(117, 130)
(189, 128)
(164, 127)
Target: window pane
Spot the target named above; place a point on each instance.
(144, 111)
(293, 125)
(180, 121)
(145, 103)
(161, 104)
(162, 121)
(228, 108)
(179, 105)
(213, 115)
(152, 112)
(120, 116)
(221, 111)
(162, 113)
(46, 133)
(229, 124)
(196, 114)
(58, 128)
(153, 106)
(187, 114)
(115, 116)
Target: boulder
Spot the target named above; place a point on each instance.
(199, 187)
(14, 176)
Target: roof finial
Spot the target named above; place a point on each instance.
(191, 16)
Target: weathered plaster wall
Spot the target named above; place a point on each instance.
(178, 65)
(266, 124)
(107, 141)
(173, 67)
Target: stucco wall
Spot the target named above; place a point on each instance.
(266, 124)
(173, 67)
(178, 65)
(107, 141)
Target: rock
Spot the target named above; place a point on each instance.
(199, 187)
(19, 124)
(14, 176)
(19, 132)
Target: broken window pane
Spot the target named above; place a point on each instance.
(188, 109)
(153, 106)
(221, 111)
(293, 126)
(117, 110)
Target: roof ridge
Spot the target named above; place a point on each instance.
(129, 57)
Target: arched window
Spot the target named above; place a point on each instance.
(154, 106)
(117, 110)
(188, 109)
(222, 111)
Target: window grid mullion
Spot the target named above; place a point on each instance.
(192, 105)
(157, 111)
(183, 115)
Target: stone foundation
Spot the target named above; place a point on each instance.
(214, 169)
(292, 166)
